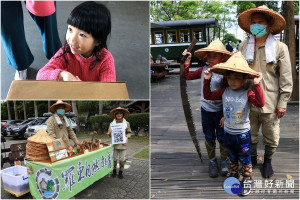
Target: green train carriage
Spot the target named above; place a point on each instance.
(170, 38)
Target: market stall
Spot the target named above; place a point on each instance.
(65, 178)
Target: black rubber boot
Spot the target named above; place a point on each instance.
(121, 175)
(254, 161)
(267, 168)
(213, 168)
(114, 174)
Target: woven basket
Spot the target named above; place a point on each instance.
(36, 148)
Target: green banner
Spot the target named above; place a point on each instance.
(64, 179)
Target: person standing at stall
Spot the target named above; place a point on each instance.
(118, 115)
(270, 57)
(58, 125)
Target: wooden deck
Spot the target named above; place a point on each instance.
(176, 171)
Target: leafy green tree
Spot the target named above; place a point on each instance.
(230, 37)
(296, 7)
(222, 12)
(50, 185)
(180, 10)
(4, 113)
(244, 5)
(174, 10)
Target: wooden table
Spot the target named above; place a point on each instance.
(159, 70)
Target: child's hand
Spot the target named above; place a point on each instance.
(258, 78)
(126, 141)
(67, 76)
(207, 74)
(188, 59)
(222, 122)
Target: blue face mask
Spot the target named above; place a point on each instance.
(258, 30)
(60, 111)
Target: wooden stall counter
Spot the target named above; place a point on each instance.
(65, 178)
(71, 90)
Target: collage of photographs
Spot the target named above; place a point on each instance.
(149, 99)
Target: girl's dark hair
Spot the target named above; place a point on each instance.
(93, 18)
(228, 72)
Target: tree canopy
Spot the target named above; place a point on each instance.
(180, 10)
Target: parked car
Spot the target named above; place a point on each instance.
(33, 129)
(19, 131)
(7, 123)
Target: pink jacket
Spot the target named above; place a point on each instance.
(104, 70)
(40, 8)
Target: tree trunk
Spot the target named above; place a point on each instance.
(74, 108)
(49, 105)
(8, 110)
(36, 113)
(24, 109)
(288, 12)
(100, 107)
(15, 110)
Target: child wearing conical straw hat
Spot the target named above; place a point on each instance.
(236, 108)
(211, 111)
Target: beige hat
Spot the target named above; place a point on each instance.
(68, 107)
(215, 46)
(244, 19)
(237, 63)
(123, 110)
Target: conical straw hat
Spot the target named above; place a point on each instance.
(123, 110)
(215, 46)
(244, 19)
(237, 63)
(41, 137)
(68, 107)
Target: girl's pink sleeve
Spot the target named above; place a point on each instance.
(108, 72)
(52, 69)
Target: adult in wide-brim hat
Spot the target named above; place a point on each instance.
(278, 21)
(215, 46)
(113, 112)
(271, 57)
(58, 125)
(67, 106)
(237, 63)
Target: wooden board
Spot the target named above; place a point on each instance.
(176, 171)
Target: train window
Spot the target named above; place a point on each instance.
(159, 37)
(184, 35)
(197, 33)
(172, 37)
